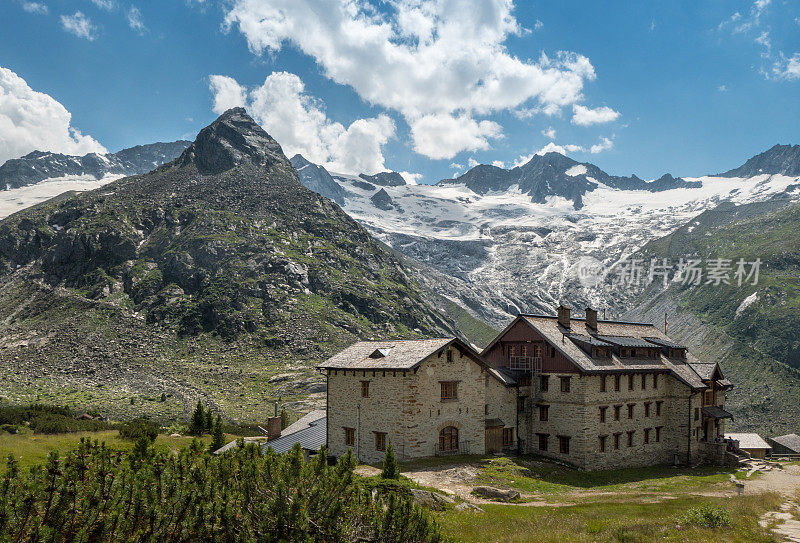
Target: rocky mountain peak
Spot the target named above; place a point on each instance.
(386, 179)
(234, 138)
(779, 159)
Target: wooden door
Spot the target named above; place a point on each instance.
(494, 439)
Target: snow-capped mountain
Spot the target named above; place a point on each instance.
(41, 165)
(554, 174)
(505, 241)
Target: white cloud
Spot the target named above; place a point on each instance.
(498, 164)
(36, 7)
(522, 160)
(605, 144)
(79, 24)
(471, 162)
(437, 63)
(549, 133)
(411, 178)
(538, 25)
(31, 120)
(444, 136)
(107, 5)
(298, 122)
(722, 88)
(585, 116)
(552, 147)
(135, 20)
(227, 93)
(787, 68)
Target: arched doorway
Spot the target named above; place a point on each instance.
(448, 439)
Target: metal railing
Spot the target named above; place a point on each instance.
(524, 362)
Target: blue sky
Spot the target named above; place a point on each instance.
(683, 87)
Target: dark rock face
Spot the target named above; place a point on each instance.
(385, 179)
(232, 140)
(39, 165)
(382, 200)
(780, 159)
(554, 174)
(318, 179)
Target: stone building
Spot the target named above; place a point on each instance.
(592, 393)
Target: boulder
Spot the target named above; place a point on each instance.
(496, 493)
(466, 506)
(431, 500)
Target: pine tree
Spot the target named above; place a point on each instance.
(391, 470)
(284, 419)
(198, 421)
(163, 397)
(218, 439)
(208, 424)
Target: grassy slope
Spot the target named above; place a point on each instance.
(759, 348)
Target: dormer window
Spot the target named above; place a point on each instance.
(380, 353)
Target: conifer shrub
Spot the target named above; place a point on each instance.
(391, 469)
(139, 428)
(98, 494)
(706, 516)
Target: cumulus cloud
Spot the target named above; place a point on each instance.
(299, 123)
(107, 5)
(604, 144)
(135, 20)
(439, 64)
(552, 147)
(411, 178)
(549, 133)
(31, 120)
(585, 116)
(443, 136)
(79, 24)
(36, 7)
(787, 68)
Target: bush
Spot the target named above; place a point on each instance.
(48, 419)
(391, 470)
(243, 495)
(706, 516)
(10, 428)
(139, 428)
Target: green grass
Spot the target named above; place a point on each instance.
(31, 449)
(610, 521)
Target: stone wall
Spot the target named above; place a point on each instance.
(407, 406)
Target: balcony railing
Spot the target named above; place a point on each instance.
(524, 362)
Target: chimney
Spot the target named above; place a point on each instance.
(563, 316)
(273, 428)
(591, 318)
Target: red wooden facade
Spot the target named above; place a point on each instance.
(521, 337)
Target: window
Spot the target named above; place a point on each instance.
(449, 390)
(644, 381)
(658, 433)
(616, 441)
(617, 379)
(658, 408)
(646, 435)
(380, 441)
(563, 444)
(655, 380)
(543, 412)
(617, 409)
(448, 439)
(521, 404)
(602, 383)
(696, 413)
(630, 410)
(601, 443)
(543, 441)
(603, 413)
(552, 352)
(544, 381)
(365, 389)
(508, 437)
(350, 437)
(486, 409)
(523, 350)
(708, 398)
(449, 356)
(630, 382)
(565, 384)
(647, 409)
(630, 438)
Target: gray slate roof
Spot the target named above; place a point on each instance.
(302, 423)
(310, 438)
(627, 341)
(716, 412)
(557, 335)
(665, 342)
(402, 354)
(790, 441)
(749, 441)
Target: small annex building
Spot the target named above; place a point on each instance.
(788, 444)
(752, 444)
